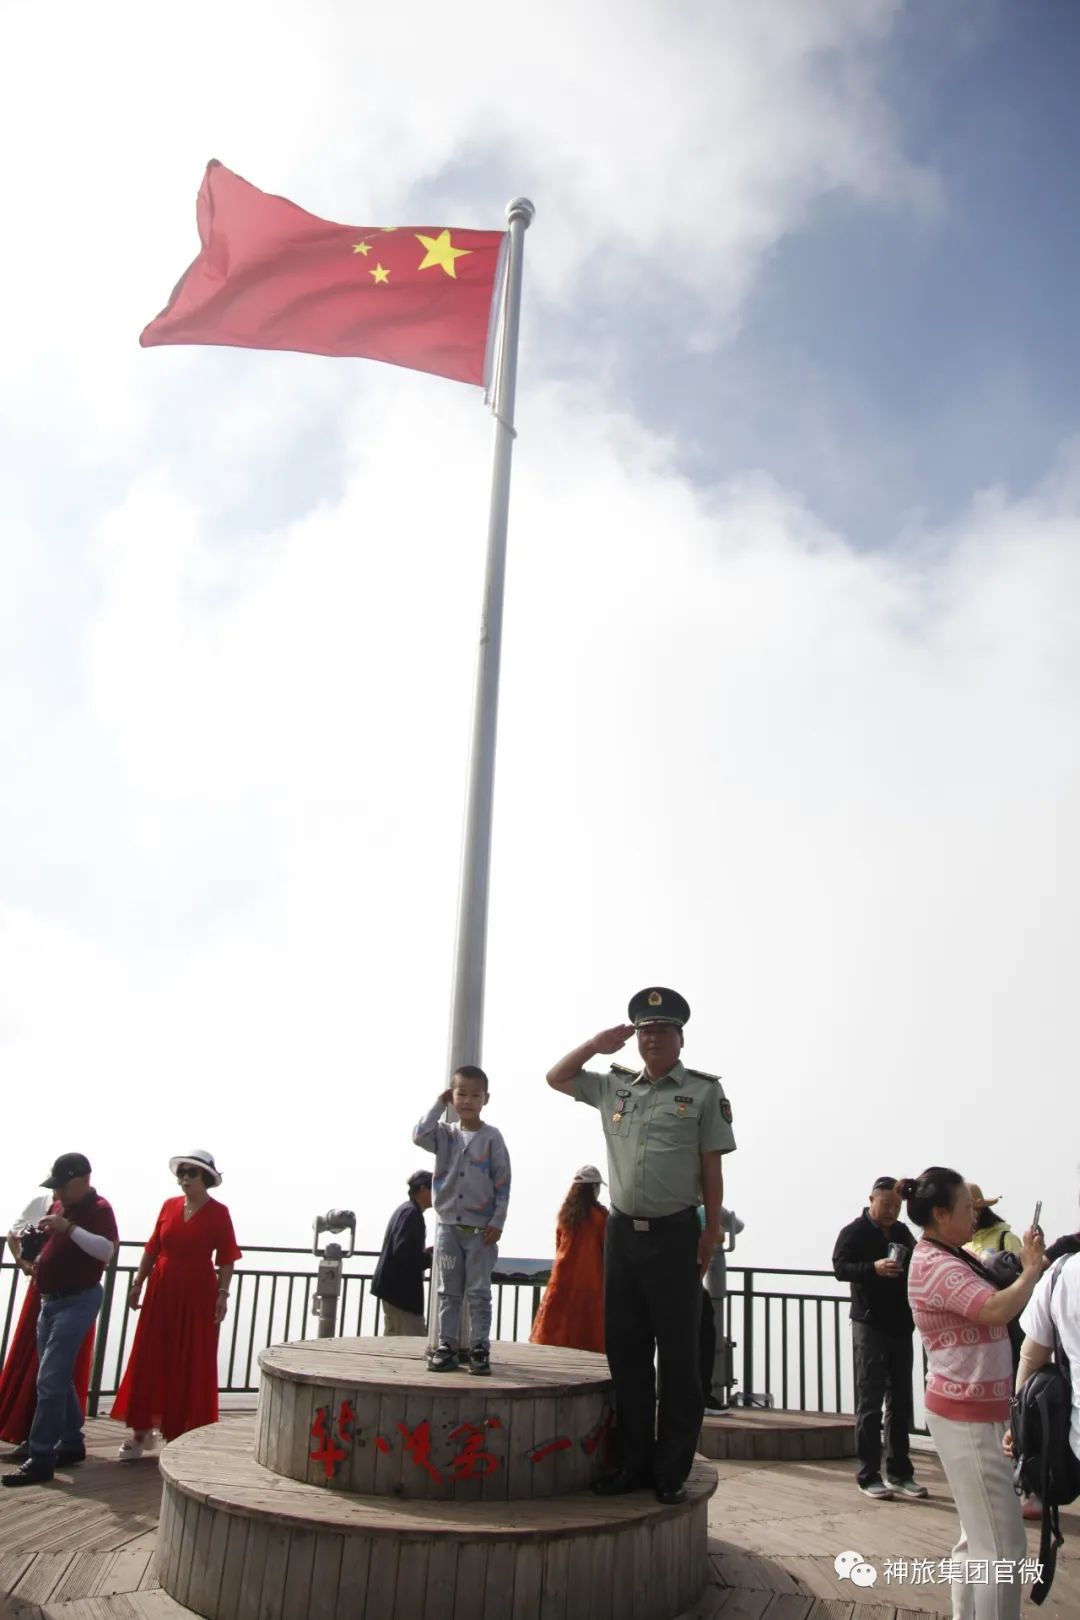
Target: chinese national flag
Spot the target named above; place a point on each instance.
(271, 276)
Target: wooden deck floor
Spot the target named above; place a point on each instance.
(82, 1548)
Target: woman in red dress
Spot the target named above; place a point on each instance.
(171, 1380)
(572, 1310)
(18, 1380)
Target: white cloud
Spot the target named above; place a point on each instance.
(828, 794)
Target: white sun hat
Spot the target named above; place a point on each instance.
(204, 1160)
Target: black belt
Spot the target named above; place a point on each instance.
(646, 1223)
(66, 1293)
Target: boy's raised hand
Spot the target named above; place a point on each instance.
(445, 1096)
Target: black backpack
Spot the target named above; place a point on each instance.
(1045, 1463)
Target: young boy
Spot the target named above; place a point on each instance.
(471, 1192)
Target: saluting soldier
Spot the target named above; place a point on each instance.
(667, 1129)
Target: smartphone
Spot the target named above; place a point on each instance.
(1035, 1217)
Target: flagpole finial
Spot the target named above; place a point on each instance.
(521, 208)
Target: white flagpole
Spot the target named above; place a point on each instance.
(470, 951)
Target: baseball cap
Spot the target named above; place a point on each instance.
(589, 1172)
(66, 1167)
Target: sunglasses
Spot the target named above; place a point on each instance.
(187, 1172)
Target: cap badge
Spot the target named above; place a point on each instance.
(655, 998)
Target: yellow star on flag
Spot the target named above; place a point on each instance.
(380, 274)
(441, 251)
(362, 247)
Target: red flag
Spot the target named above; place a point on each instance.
(271, 276)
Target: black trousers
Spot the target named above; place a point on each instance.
(708, 1345)
(652, 1310)
(883, 1366)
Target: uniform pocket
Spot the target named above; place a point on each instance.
(620, 1120)
(680, 1124)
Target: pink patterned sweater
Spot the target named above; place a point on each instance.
(969, 1364)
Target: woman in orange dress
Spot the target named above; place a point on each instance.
(18, 1380)
(572, 1310)
(171, 1380)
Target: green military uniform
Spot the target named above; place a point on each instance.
(656, 1132)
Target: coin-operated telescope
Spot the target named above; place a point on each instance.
(331, 1257)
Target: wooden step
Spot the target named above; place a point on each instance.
(751, 1434)
(238, 1542)
(366, 1415)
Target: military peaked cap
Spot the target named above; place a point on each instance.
(658, 1006)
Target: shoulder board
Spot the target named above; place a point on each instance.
(621, 1069)
(699, 1074)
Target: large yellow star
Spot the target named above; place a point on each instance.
(441, 251)
(362, 247)
(380, 274)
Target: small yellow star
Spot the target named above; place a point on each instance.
(362, 247)
(379, 274)
(440, 251)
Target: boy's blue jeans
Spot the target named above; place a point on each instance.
(464, 1263)
(61, 1328)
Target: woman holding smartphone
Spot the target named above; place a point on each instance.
(963, 1319)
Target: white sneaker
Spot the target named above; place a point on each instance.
(133, 1449)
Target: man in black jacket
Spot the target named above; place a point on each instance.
(399, 1271)
(881, 1329)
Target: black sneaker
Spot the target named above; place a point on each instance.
(906, 1486)
(68, 1456)
(443, 1359)
(877, 1489)
(34, 1471)
(480, 1362)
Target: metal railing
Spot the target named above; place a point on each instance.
(789, 1326)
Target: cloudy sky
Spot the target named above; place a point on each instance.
(789, 709)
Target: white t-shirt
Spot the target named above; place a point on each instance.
(35, 1209)
(1036, 1323)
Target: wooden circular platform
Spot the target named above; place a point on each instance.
(366, 1415)
(753, 1434)
(238, 1542)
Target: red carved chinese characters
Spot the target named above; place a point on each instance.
(328, 1452)
(336, 1435)
(598, 1438)
(472, 1461)
(418, 1447)
(538, 1453)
